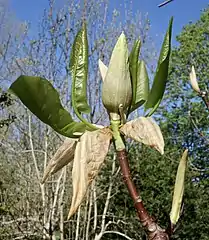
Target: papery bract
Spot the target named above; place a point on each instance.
(146, 131)
(62, 157)
(90, 154)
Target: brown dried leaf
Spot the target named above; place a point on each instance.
(62, 157)
(146, 131)
(90, 153)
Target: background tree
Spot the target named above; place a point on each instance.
(12, 33)
(185, 122)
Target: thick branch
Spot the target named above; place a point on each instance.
(154, 232)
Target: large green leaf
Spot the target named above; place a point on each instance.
(161, 74)
(133, 66)
(142, 86)
(79, 71)
(40, 97)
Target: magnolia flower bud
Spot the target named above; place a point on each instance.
(117, 89)
(193, 80)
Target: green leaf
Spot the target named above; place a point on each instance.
(179, 189)
(161, 74)
(133, 67)
(79, 71)
(142, 87)
(40, 97)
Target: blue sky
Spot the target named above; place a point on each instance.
(183, 11)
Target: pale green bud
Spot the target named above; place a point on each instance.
(117, 89)
(193, 80)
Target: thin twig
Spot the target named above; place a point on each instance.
(198, 130)
(32, 148)
(78, 223)
(56, 195)
(204, 96)
(118, 233)
(164, 3)
(95, 205)
(89, 212)
(60, 204)
(37, 171)
(103, 226)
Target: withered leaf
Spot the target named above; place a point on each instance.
(90, 153)
(146, 131)
(62, 157)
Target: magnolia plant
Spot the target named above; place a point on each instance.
(125, 89)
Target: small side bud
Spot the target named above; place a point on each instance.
(193, 80)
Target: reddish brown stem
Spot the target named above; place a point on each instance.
(170, 229)
(153, 230)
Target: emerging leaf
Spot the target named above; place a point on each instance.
(117, 88)
(133, 66)
(40, 97)
(179, 189)
(103, 69)
(79, 71)
(146, 131)
(62, 157)
(161, 74)
(90, 153)
(142, 87)
(193, 80)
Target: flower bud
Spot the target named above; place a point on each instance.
(193, 80)
(117, 89)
